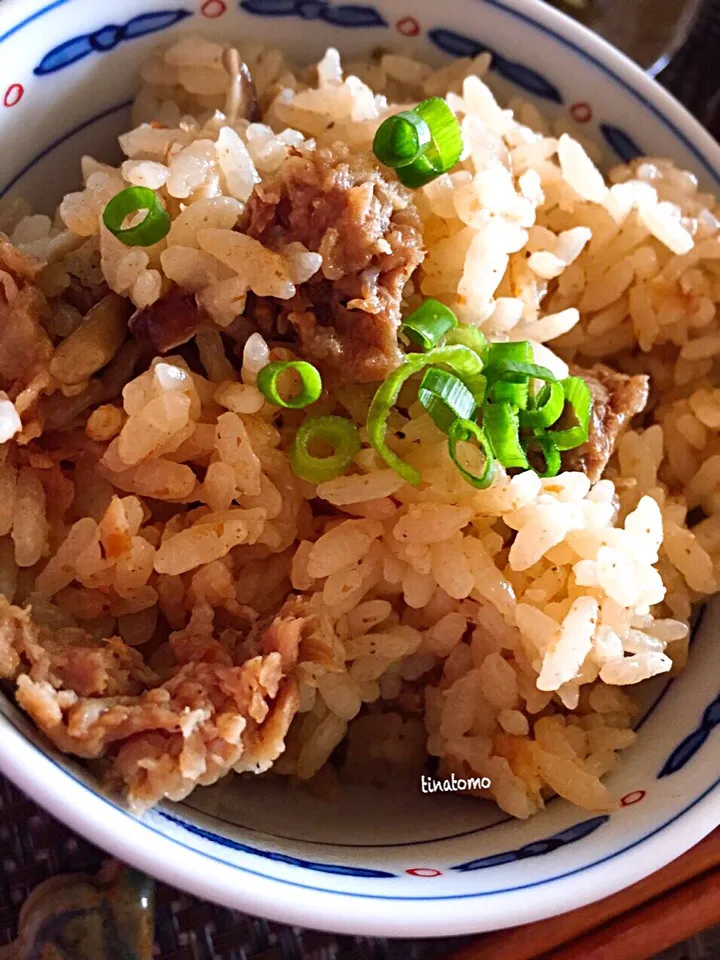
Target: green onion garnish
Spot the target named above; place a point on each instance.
(477, 385)
(517, 370)
(507, 391)
(335, 432)
(578, 396)
(499, 354)
(401, 139)
(310, 389)
(502, 427)
(382, 403)
(550, 453)
(152, 229)
(397, 139)
(427, 325)
(496, 379)
(469, 337)
(546, 407)
(445, 149)
(463, 361)
(463, 431)
(446, 398)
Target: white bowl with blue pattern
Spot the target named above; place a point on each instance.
(373, 861)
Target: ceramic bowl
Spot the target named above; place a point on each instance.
(393, 862)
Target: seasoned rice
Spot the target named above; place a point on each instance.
(179, 603)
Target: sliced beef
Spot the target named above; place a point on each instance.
(170, 321)
(25, 348)
(98, 698)
(368, 232)
(617, 398)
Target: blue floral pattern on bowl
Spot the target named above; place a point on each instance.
(107, 38)
(621, 142)
(691, 744)
(339, 15)
(520, 74)
(538, 848)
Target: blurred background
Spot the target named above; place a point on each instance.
(648, 31)
(676, 41)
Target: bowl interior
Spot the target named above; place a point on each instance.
(363, 861)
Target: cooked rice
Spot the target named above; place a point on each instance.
(191, 607)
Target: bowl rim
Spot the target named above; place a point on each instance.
(106, 824)
(114, 829)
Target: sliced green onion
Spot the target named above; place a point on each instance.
(382, 403)
(153, 227)
(338, 433)
(507, 391)
(311, 383)
(502, 427)
(427, 325)
(446, 398)
(401, 142)
(463, 361)
(447, 139)
(514, 362)
(469, 337)
(499, 354)
(517, 370)
(578, 396)
(550, 453)
(546, 408)
(401, 139)
(463, 431)
(477, 385)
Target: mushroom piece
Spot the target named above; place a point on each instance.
(94, 343)
(241, 98)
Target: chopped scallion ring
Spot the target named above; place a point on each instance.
(499, 354)
(514, 361)
(546, 407)
(517, 370)
(445, 149)
(550, 452)
(401, 139)
(400, 142)
(463, 361)
(502, 427)
(507, 391)
(335, 432)
(311, 383)
(382, 403)
(578, 397)
(446, 398)
(469, 337)
(150, 230)
(477, 385)
(464, 431)
(427, 325)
